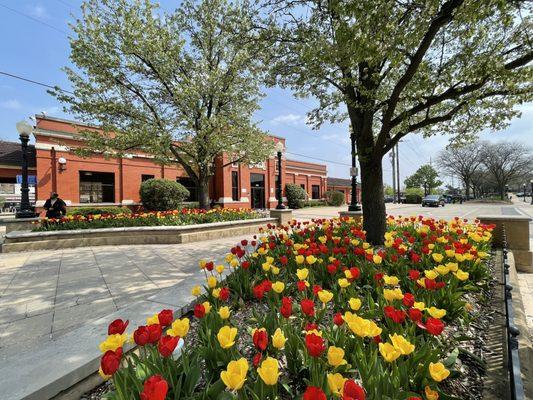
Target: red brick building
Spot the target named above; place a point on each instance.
(344, 186)
(101, 180)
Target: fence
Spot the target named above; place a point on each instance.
(513, 360)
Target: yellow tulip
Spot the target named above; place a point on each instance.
(278, 339)
(180, 327)
(442, 269)
(390, 280)
(302, 274)
(343, 282)
(266, 266)
(419, 305)
(336, 383)
(310, 259)
(202, 264)
(438, 371)
(377, 259)
(430, 274)
(336, 356)
(436, 312)
(278, 287)
(153, 320)
(226, 336)
(431, 394)
(392, 294)
(275, 270)
(207, 306)
(325, 296)
(459, 257)
(299, 259)
(389, 352)
(212, 282)
(269, 371)
(113, 342)
(235, 374)
(224, 312)
(461, 275)
(196, 291)
(220, 268)
(402, 344)
(234, 263)
(452, 266)
(437, 257)
(216, 292)
(354, 303)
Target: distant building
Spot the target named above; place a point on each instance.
(344, 186)
(10, 172)
(116, 181)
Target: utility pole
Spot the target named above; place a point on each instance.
(398, 187)
(393, 162)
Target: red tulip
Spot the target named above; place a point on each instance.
(199, 311)
(257, 359)
(314, 393)
(352, 391)
(414, 274)
(245, 264)
(141, 336)
(408, 300)
(315, 345)
(259, 291)
(301, 286)
(167, 345)
(155, 388)
(260, 339)
(224, 294)
(110, 361)
(117, 327)
(308, 307)
(396, 315)
(165, 317)
(434, 326)
(286, 307)
(415, 314)
(338, 319)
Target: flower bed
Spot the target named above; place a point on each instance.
(312, 311)
(185, 216)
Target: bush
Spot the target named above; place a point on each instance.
(314, 203)
(296, 195)
(162, 194)
(334, 198)
(413, 195)
(85, 211)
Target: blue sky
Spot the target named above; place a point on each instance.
(35, 46)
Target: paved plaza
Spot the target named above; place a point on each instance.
(45, 294)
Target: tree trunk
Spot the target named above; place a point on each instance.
(467, 188)
(203, 193)
(372, 200)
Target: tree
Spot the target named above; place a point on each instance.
(182, 86)
(396, 67)
(463, 161)
(425, 176)
(507, 163)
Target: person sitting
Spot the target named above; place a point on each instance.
(55, 207)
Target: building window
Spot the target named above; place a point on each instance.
(302, 185)
(315, 192)
(189, 184)
(146, 177)
(97, 187)
(234, 185)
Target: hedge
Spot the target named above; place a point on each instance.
(162, 194)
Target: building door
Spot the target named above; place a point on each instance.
(257, 185)
(97, 187)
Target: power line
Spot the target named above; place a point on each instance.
(319, 159)
(34, 82)
(34, 19)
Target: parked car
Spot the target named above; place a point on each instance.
(433, 200)
(388, 199)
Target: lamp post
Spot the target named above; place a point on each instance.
(26, 210)
(524, 187)
(531, 182)
(279, 195)
(425, 188)
(353, 173)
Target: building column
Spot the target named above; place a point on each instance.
(120, 181)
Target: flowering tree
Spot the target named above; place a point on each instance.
(182, 86)
(426, 176)
(395, 67)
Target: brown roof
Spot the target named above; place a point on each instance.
(339, 182)
(11, 154)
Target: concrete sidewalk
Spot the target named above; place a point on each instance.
(46, 294)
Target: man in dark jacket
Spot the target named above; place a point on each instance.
(54, 206)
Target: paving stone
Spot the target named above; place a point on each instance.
(25, 331)
(71, 316)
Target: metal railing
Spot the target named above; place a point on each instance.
(513, 359)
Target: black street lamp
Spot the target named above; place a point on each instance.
(279, 194)
(26, 210)
(531, 182)
(524, 192)
(353, 172)
(425, 188)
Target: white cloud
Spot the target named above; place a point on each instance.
(292, 119)
(11, 104)
(38, 11)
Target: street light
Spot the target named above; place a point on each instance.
(531, 182)
(26, 210)
(524, 187)
(425, 188)
(279, 150)
(353, 173)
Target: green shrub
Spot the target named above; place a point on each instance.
(113, 210)
(413, 195)
(162, 194)
(314, 203)
(296, 195)
(334, 198)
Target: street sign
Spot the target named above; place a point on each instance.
(32, 179)
(353, 171)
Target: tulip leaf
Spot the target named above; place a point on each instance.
(452, 358)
